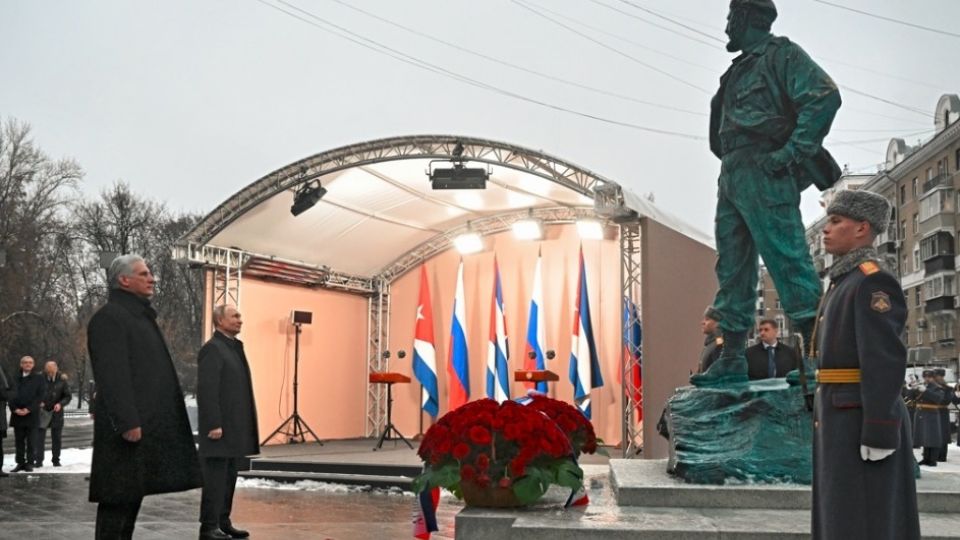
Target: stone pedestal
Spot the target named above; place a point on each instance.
(759, 431)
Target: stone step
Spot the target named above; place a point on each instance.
(331, 466)
(639, 523)
(604, 519)
(376, 481)
(645, 483)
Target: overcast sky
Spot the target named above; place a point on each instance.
(189, 101)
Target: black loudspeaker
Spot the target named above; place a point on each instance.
(301, 317)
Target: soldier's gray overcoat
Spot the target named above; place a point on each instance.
(863, 317)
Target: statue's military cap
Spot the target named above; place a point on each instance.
(712, 313)
(862, 206)
(765, 6)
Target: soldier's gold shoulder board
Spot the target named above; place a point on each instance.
(880, 302)
(719, 341)
(869, 268)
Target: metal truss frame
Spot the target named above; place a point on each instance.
(194, 247)
(378, 339)
(631, 355)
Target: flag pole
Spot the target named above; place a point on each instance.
(420, 428)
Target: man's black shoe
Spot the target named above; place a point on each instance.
(18, 468)
(56, 463)
(27, 468)
(213, 534)
(234, 532)
(38, 464)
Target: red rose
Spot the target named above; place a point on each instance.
(505, 482)
(480, 435)
(483, 462)
(518, 467)
(467, 472)
(461, 450)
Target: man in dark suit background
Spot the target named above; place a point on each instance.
(56, 396)
(227, 422)
(770, 358)
(25, 413)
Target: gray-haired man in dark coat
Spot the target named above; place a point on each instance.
(227, 422)
(863, 479)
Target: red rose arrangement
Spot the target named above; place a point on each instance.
(578, 429)
(492, 445)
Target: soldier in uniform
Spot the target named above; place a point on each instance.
(712, 340)
(927, 431)
(863, 477)
(948, 398)
(767, 123)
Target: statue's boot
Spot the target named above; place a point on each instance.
(730, 368)
(805, 329)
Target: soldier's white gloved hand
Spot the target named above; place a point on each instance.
(875, 454)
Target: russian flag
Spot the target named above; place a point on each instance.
(424, 352)
(534, 358)
(457, 360)
(584, 364)
(498, 355)
(632, 341)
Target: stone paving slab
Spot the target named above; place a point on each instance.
(646, 483)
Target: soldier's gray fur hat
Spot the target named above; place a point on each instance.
(764, 6)
(928, 373)
(712, 313)
(862, 206)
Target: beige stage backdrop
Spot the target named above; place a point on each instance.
(677, 283)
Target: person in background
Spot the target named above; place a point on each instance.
(949, 398)
(56, 396)
(25, 413)
(712, 341)
(5, 394)
(927, 400)
(770, 358)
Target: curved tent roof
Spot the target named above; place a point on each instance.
(380, 212)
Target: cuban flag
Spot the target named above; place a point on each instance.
(458, 365)
(498, 355)
(584, 364)
(632, 341)
(424, 352)
(534, 358)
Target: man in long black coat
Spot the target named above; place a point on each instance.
(25, 413)
(142, 442)
(6, 392)
(56, 396)
(948, 398)
(227, 422)
(863, 479)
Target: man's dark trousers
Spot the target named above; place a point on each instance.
(116, 521)
(26, 444)
(56, 435)
(219, 481)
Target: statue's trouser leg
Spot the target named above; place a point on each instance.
(757, 214)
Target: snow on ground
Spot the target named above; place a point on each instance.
(313, 485)
(73, 460)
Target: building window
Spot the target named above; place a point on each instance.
(941, 200)
(903, 195)
(941, 285)
(778, 304)
(916, 258)
(919, 336)
(916, 186)
(929, 173)
(957, 163)
(933, 333)
(903, 229)
(916, 224)
(916, 296)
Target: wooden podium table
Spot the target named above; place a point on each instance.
(389, 379)
(535, 375)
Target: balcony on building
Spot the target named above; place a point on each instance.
(938, 209)
(941, 180)
(937, 252)
(887, 241)
(938, 292)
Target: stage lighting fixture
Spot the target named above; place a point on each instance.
(468, 242)
(306, 197)
(459, 177)
(590, 229)
(529, 228)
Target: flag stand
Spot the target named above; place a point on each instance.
(298, 427)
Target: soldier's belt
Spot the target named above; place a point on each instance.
(930, 407)
(838, 376)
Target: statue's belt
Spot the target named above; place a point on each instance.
(732, 142)
(838, 376)
(929, 406)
